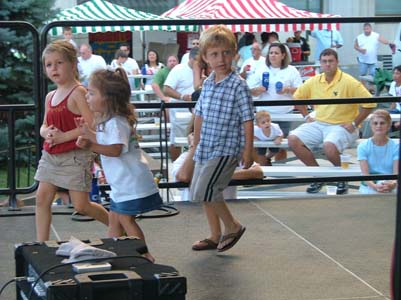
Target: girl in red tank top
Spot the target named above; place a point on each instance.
(63, 164)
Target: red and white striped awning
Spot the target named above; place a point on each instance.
(249, 9)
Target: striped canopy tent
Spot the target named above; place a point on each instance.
(100, 10)
(249, 9)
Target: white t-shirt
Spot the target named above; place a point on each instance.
(181, 79)
(87, 66)
(255, 65)
(128, 174)
(153, 70)
(129, 66)
(229, 192)
(395, 91)
(371, 44)
(275, 131)
(288, 76)
(185, 59)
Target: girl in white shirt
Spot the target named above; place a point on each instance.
(280, 73)
(133, 190)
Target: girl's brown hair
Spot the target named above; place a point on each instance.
(286, 60)
(115, 88)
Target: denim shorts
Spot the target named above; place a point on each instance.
(137, 206)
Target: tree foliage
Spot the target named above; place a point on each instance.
(16, 66)
(16, 48)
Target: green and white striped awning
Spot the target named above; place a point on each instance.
(100, 10)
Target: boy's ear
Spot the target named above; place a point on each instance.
(204, 58)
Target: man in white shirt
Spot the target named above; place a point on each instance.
(251, 64)
(130, 65)
(88, 63)
(185, 57)
(367, 45)
(179, 85)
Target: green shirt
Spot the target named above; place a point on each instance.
(161, 77)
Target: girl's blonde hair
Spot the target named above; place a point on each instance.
(381, 113)
(217, 36)
(67, 50)
(116, 91)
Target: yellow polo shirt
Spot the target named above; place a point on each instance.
(342, 86)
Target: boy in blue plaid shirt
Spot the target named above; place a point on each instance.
(223, 137)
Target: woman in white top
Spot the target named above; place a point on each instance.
(280, 73)
(152, 66)
(277, 65)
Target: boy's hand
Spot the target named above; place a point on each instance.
(191, 140)
(247, 159)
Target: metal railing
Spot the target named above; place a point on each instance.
(41, 88)
(11, 110)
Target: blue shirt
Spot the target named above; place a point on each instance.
(380, 158)
(224, 107)
(325, 38)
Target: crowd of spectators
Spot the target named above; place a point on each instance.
(334, 126)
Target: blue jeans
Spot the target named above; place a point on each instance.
(367, 69)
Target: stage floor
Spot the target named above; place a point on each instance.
(318, 248)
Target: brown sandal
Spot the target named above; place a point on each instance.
(234, 237)
(205, 244)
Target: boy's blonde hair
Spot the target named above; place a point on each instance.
(262, 115)
(67, 50)
(216, 36)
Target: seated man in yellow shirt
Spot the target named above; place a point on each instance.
(335, 125)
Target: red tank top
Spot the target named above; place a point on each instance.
(63, 119)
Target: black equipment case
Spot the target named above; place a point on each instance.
(130, 278)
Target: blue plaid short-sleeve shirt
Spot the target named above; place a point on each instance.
(224, 107)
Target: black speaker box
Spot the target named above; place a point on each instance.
(130, 278)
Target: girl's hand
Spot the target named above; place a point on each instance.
(83, 127)
(83, 143)
(79, 121)
(53, 136)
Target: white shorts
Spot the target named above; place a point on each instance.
(316, 133)
(179, 127)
